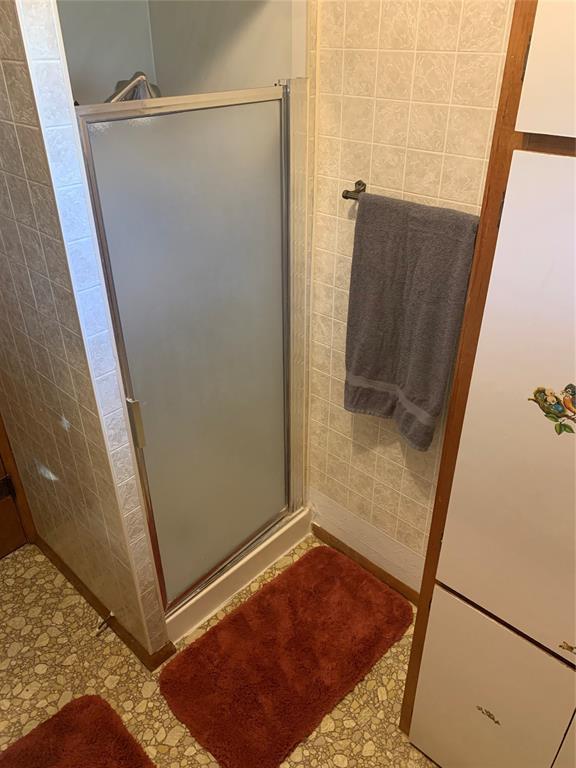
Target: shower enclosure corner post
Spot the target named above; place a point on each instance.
(296, 148)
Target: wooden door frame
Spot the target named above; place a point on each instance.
(20, 499)
(505, 140)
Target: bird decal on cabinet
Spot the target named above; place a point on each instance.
(559, 409)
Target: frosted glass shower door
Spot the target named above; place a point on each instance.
(191, 208)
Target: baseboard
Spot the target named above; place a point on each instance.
(198, 609)
(367, 564)
(365, 539)
(150, 660)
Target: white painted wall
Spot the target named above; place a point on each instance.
(185, 46)
(105, 41)
(220, 45)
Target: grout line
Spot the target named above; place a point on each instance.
(420, 50)
(410, 100)
(450, 102)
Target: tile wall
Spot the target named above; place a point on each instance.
(59, 389)
(407, 94)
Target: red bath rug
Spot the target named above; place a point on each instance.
(86, 733)
(262, 679)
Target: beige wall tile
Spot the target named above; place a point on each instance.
(422, 138)
(391, 122)
(323, 296)
(438, 25)
(20, 92)
(343, 267)
(10, 38)
(361, 483)
(21, 200)
(326, 195)
(388, 166)
(386, 497)
(330, 24)
(423, 172)
(483, 25)
(10, 159)
(337, 468)
(341, 420)
(389, 473)
(329, 115)
(362, 19)
(359, 73)
(45, 209)
(323, 266)
(339, 344)
(320, 384)
(355, 160)
(398, 24)
(415, 487)
(413, 513)
(328, 156)
(390, 445)
(320, 357)
(345, 240)
(394, 75)
(475, 79)
(33, 154)
(410, 537)
(325, 228)
(5, 203)
(359, 505)
(462, 179)
(384, 520)
(421, 462)
(339, 445)
(340, 308)
(322, 333)
(433, 77)
(468, 131)
(330, 72)
(428, 126)
(357, 118)
(5, 111)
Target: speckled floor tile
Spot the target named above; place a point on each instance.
(50, 653)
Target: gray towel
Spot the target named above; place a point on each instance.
(410, 272)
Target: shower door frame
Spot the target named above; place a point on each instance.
(293, 344)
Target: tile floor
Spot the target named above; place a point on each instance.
(49, 654)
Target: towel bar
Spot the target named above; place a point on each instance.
(360, 186)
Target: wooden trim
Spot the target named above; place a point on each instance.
(506, 140)
(368, 565)
(150, 660)
(20, 499)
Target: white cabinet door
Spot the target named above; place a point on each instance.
(567, 755)
(509, 542)
(548, 100)
(486, 697)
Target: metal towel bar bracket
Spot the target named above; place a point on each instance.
(359, 187)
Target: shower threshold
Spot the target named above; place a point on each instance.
(207, 598)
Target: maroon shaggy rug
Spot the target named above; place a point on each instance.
(86, 733)
(262, 679)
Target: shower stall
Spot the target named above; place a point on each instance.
(191, 200)
(168, 160)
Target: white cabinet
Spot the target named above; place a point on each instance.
(487, 698)
(509, 541)
(548, 100)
